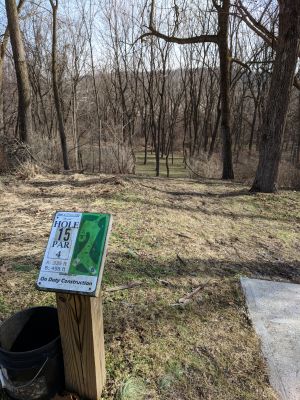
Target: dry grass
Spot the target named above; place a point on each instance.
(244, 170)
(173, 235)
(28, 170)
(204, 167)
(116, 158)
(289, 175)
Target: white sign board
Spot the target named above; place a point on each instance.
(75, 253)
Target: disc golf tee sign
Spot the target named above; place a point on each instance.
(75, 253)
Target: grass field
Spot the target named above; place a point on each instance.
(173, 236)
(177, 169)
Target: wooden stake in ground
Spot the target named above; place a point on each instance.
(81, 328)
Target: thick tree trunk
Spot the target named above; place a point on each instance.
(24, 92)
(57, 99)
(225, 62)
(274, 119)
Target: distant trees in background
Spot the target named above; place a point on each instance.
(108, 78)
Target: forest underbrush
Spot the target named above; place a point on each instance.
(244, 169)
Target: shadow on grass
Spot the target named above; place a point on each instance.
(203, 209)
(109, 180)
(135, 320)
(140, 318)
(186, 180)
(236, 193)
(121, 268)
(149, 268)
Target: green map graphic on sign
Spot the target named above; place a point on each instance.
(89, 247)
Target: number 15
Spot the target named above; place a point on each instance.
(66, 236)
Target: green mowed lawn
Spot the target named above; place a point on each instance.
(177, 169)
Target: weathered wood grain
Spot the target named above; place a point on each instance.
(81, 327)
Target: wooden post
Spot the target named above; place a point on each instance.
(72, 267)
(81, 327)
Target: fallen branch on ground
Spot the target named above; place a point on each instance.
(165, 283)
(188, 297)
(184, 236)
(129, 285)
(181, 260)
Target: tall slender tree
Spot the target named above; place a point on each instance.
(57, 99)
(23, 83)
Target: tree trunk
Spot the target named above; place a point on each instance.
(274, 119)
(3, 46)
(24, 92)
(223, 14)
(97, 104)
(253, 127)
(215, 131)
(297, 160)
(1, 98)
(75, 128)
(57, 99)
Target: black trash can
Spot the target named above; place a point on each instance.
(31, 362)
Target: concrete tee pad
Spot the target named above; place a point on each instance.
(274, 309)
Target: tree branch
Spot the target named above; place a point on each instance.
(152, 12)
(237, 61)
(216, 5)
(296, 83)
(178, 40)
(54, 5)
(256, 26)
(253, 21)
(4, 42)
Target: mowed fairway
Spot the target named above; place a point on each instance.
(172, 236)
(177, 169)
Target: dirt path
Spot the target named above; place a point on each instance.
(174, 236)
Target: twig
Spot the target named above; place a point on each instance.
(188, 297)
(190, 168)
(181, 260)
(129, 285)
(165, 283)
(184, 236)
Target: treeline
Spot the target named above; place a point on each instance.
(87, 83)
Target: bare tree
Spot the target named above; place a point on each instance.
(23, 83)
(3, 46)
(91, 88)
(57, 99)
(274, 120)
(221, 40)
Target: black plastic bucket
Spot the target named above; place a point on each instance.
(31, 363)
